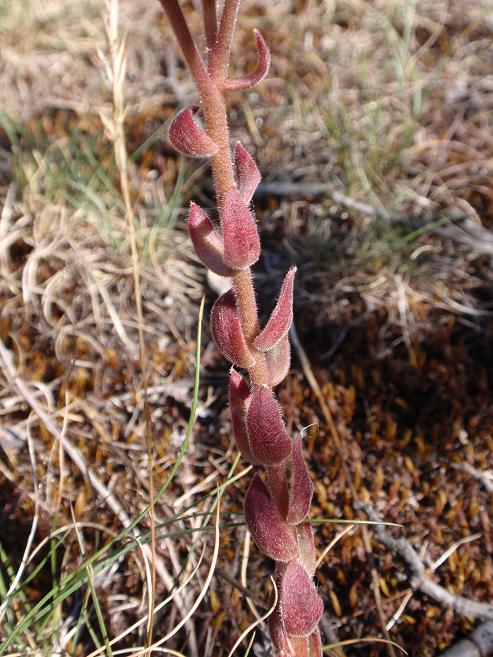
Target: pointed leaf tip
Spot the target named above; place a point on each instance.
(261, 70)
(281, 317)
(301, 605)
(188, 138)
(241, 238)
(227, 332)
(301, 487)
(269, 441)
(207, 243)
(239, 392)
(247, 173)
(267, 526)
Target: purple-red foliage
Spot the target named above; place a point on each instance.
(241, 239)
(247, 173)
(239, 393)
(261, 70)
(227, 332)
(301, 606)
(270, 531)
(269, 441)
(207, 243)
(281, 318)
(300, 486)
(275, 513)
(188, 138)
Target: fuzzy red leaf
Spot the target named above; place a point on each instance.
(306, 546)
(206, 241)
(267, 526)
(281, 317)
(261, 70)
(269, 441)
(247, 173)
(278, 360)
(241, 238)
(227, 332)
(239, 393)
(301, 487)
(301, 605)
(188, 138)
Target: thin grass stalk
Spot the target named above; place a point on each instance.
(118, 61)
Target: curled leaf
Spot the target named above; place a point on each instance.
(301, 605)
(301, 487)
(281, 318)
(267, 526)
(269, 441)
(247, 173)
(278, 360)
(188, 138)
(241, 238)
(261, 70)
(207, 243)
(227, 332)
(239, 393)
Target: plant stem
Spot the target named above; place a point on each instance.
(210, 22)
(220, 55)
(222, 170)
(216, 121)
(187, 44)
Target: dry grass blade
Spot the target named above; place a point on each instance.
(32, 533)
(355, 642)
(256, 622)
(198, 600)
(158, 608)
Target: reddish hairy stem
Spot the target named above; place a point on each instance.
(187, 44)
(210, 22)
(220, 55)
(274, 512)
(222, 169)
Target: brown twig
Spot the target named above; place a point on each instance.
(478, 644)
(419, 577)
(484, 479)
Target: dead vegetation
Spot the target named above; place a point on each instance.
(377, 115)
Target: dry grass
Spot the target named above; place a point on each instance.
(386, 106)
